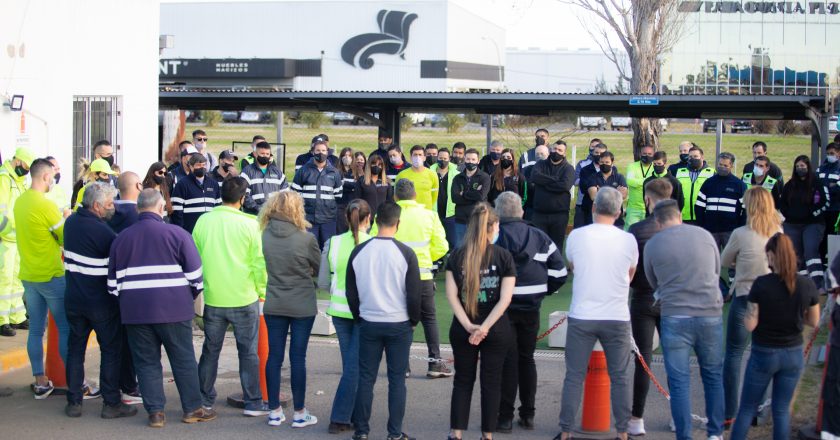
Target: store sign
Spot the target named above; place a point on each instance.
(758, 7)
(238, 68)
(392, 39)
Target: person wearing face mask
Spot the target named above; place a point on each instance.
(88, 305)
(200, 142)
(57, 193)
(553, 181)
(373, 187)
(251, 157)
(195, 195)
(458, 151)
(804, 202)
(684, 157)
(321, 186)
(529, 158)
(468, 188)
(607, 176)
(98, 171)
(264, 179)
(759, 148)
(490, 162)
(541, 153)
(829, 174)
(445, 207)
(304, 158)
(350, 174)
(636, 174)
(585, 166)
(431, 154)
(226, 168)
(385, 142)
(660, 162)
(719, 207)
(506, 178)
(426, 183)
(691, 178)
(395, 162)
(159, 180)
(760, 177)
(12, 186)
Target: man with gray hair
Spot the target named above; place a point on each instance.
(603, 259)
(421, 230)
(686, 285)
(540, 271)
(493, 157)
(88, 305)
(195, 194)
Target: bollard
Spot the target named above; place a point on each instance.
(54, 364)
(596, 395)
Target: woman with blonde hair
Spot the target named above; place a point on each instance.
(745, 253)
(479, 286)
(292, 258)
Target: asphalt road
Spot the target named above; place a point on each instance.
(427, 413)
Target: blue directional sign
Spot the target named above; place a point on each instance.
(644, 100)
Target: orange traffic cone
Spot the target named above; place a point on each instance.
(55, 365)
(596, 395)
(262, 352)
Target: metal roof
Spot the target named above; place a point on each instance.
(668, 105)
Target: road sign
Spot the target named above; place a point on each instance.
(644, 100)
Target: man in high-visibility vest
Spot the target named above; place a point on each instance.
(445, 207)
(421, 230)
(12, 185)
(760, 177)
(635, 176)
(692, 178)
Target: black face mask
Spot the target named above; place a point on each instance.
(659, 169)
(199, 172)
(383, 146)
(695, 163)
(506, 163)
(801, 172)
(226, 168)
(605, 168)
(457, 160)
(158, 179)
(684, 158)
(555, 157)
(110, 160)
(320, 157)
(444, 164)
(375, 170)
(431, 160)
(470, 166)
(495, 156)
(20, 171)
(57, 177)
(647, 159)
(262, 160)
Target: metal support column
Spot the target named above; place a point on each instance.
(718, 139)
(489, 133)
(391, 119)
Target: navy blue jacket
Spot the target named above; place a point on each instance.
(540, 269)
(320, 190)
(552, 186)
(87, 245)
(125, 215)
(302, 159)
(720, 204)
(829, 173)
(190, 199)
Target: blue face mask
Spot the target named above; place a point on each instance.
(495, 238)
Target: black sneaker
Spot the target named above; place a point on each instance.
(90, 392)
(22, 326)
(359, 437)
(337, 428)
(504, 426)
(527, 423)
(73, 410)
(402, 436)
(117, 411)
(42, 392)
(7, 330)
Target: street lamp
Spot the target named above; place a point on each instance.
(498, 57)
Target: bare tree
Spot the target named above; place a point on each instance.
(646, 29)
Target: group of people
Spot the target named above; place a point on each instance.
(127, 257)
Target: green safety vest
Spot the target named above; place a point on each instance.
(340, 248)
(684, 177)
(768, 184)
(635, 177)
(450, 205)
(421, 230)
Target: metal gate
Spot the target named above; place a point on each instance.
(95, 118)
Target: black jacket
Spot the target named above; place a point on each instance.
(190, 199)
(676, 192)
(515, 184)
(486, 165)
(374, 194)
(321, 190)
(642, 231)
(552, 186)
(467, 192)
(804, 208)
(540, 269)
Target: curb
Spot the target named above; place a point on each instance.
(17, 358)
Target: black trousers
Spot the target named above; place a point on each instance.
(105, 321)
(493, 350)
(520, 370)
(128, 377)
(428, 317)
(554, 225)
(830, 220)
(831, 390)
(644, 319)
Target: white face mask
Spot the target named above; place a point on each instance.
(831, 159)
(758, 172)
(346, 160)
(417, 161)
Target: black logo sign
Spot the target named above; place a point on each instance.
(392, 39)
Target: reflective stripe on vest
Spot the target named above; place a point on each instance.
(340, 248)
(684, 177)
(768, 183)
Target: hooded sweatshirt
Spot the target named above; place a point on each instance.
(292, 258)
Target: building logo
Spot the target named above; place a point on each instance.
(392, 39)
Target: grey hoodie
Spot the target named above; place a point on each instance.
(292, 258)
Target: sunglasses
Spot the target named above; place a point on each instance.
(201, 139)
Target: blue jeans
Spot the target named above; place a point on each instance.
(246, 326)
(705, 336)
(460, 231)
(278, 329)
(394, 338)
(176, 338)
(345, 396)
(449, 229)
(783, 366)
(105, 321)
(323, 232)
(39, 297)
(737, 338)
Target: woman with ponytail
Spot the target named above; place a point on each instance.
(332, 276)
(479, 286)
(779, 304)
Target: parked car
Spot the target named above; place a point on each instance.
(436, 119)
(711, 125)
(742, 125)
(230, 116)
(592, 123)
(664, 124)
(498, 120)
(620, 122)
(421, 119)
(833, 125)
(339, 118)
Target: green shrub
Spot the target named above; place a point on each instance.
(313, 120)
(212, 118)
(453, 122)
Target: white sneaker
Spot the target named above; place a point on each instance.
(714, 437)
(133, 398)
(672, 426)
(636, 427)
(303, 419)
(261, 411)
(276, 417)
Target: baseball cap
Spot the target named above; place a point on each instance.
(101, 166)
(227, 154)
(320, 138)
(189, 150)
(25, 155)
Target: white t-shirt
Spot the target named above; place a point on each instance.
(602, 256)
